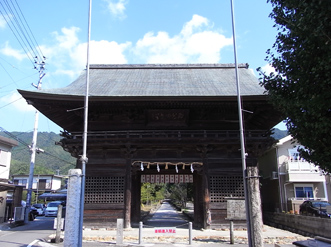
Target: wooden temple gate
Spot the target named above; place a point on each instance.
(158, 114)
(116, 169)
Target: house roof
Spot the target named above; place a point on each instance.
(8, 141)
(41, 175)
(161, 80)
(284, 140)
(5, 185)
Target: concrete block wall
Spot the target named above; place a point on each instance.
(304, 225)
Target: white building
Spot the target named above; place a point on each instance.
(288, 179)
(6, 146)
(41, 183)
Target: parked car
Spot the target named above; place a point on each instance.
(316, 208)
(52, 208)
(40, 208)
(33, 213)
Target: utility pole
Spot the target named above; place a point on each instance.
(84, 158)
(250, 176)
(242, 139)
(33, 147)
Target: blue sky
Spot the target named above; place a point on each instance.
(124, 31)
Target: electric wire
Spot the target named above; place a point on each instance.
(21, 25)
(8, 75)
(19, 41)
(17, 23)
(10, 103)
(36, 43)
(28, 146)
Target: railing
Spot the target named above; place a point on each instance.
(301, 166)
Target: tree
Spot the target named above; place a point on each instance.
(152, 193)
(301, 86)
(180, 193)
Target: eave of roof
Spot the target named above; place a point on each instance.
(8, 141)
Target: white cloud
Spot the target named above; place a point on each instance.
(196, 22)
(101, 52)
(268, 69)
(69, 55)
(69, 38)
(195, 43)
(8, 51)
(117, 8)
(2, 22)
(19, 103)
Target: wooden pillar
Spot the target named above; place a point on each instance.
(135, 197)
(128, 187)
(198, 202)
(206, 196)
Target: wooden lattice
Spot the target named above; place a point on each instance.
(225, 186)
(104, 190)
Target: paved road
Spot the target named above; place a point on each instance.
(167, 216)
(27, 235)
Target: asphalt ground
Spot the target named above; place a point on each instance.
(176, 235)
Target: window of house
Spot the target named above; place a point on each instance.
(24, 181)
(305, 191)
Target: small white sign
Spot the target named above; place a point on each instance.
(165, 230)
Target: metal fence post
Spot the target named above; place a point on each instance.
(140, 232)
(190, 233)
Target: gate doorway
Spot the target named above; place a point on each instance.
(165, 179)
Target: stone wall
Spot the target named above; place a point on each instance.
(304, 225)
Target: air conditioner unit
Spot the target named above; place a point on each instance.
(274, 175)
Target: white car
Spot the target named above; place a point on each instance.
(51, 209)
(40, 208)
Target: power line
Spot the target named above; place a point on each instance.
(41, 54)
(5, 16)
(14, 137)
(17, 23)
(10, 103)
(19, 27)
(8, 74)
(28, 146)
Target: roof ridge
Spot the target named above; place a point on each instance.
(167, 66)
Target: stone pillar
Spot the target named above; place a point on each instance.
(72, 230)
(253, 187)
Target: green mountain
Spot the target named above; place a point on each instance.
(279, 134)
(53, 161)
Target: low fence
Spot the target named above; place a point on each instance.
(305, 225)
(154, 231)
